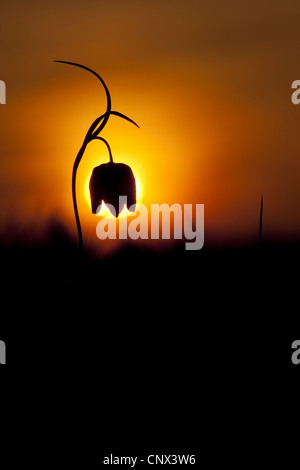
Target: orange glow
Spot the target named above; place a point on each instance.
(216, 127)
(201, 159)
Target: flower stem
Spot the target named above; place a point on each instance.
(74, 173)
(102, 120)
(108, 148)
(91, 134)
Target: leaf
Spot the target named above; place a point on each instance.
(96, 75)
(116, 113)
(94, 125)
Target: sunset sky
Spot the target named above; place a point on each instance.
(208, 82)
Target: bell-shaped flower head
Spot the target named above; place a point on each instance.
(110, 183)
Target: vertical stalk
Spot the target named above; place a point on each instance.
(91, 134)
(104, 119)
(74, 173)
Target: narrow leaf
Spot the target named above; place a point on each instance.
(116, 113)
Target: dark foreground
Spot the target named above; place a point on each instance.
(144, 353)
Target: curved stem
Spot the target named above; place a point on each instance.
(74, 173)
(91, 134)
(108, 147)
(104, 119)
(108, 109)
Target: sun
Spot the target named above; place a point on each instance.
(104, 210)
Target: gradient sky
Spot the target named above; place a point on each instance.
(209, 83)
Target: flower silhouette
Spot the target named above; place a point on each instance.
(109, 181)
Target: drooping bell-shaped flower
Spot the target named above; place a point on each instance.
(110, 183)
